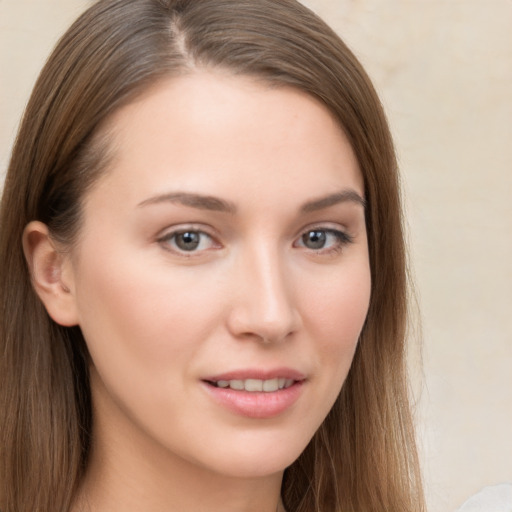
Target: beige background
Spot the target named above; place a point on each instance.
(444, 72)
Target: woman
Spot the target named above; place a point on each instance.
(203, 273)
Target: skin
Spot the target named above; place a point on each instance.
(254, 294)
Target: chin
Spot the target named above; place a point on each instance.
(257, 458)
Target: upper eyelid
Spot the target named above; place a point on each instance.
(171, 231)
(324, 226)
(340, 233)
(183, 227)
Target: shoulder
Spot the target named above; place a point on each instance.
(496, 498)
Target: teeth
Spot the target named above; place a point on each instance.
(270, 385)
(236, 384)
(255, 385)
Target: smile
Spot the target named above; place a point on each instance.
(256, 393)
(255, 385)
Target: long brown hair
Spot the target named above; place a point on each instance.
(363, 457)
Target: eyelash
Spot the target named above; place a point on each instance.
(168, 241)
(342, 239)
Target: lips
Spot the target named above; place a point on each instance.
(256, 393)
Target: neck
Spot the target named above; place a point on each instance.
(128, 470)
(142, 490)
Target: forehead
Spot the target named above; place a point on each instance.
(211, 129)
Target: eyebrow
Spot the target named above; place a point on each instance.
(194, 201)
(346, 195)
(204, 202)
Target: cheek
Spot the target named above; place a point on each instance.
(335, 317)
(142, 318)
(143, 333)
(340, 306)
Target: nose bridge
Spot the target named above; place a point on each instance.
(265, 307)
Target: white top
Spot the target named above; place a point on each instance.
(496, 498)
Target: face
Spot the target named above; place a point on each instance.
(221, 278)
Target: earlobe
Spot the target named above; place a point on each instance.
(50, 273)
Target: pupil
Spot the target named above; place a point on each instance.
(314, 239)
(187, 241)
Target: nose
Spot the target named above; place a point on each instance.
(264, 305)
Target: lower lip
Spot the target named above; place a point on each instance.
(259, 404)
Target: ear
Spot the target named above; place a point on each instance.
(51, 273)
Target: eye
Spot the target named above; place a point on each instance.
(187, 240)
(320, 239)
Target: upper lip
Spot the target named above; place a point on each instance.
(258, 373)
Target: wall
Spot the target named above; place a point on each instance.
(443, 69)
